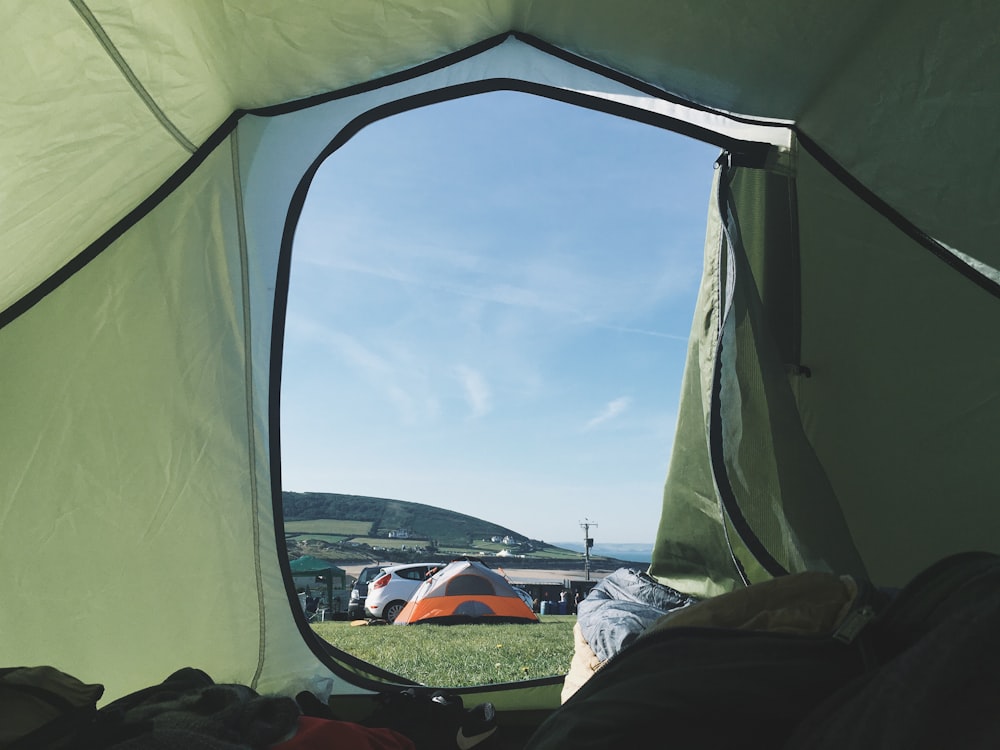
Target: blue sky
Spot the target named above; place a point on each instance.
(489, 307)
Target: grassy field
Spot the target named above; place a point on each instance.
(329, 526)
(460, 655)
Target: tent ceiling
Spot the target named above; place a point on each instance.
(904, 95)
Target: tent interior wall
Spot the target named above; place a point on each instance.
(840, 401)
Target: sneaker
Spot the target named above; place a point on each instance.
(478, 724)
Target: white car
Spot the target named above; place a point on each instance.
(389, 593)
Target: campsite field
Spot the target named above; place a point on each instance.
(460, 655)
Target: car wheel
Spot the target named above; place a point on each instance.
(392, 610)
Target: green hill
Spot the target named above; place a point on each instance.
(340, 527)
(343, 528)
(385, 516)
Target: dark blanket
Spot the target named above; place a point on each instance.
(188, 710)
(938, 687)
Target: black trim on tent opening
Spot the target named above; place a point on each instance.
(751, 152)
(727, 497)
(748, 152)
(637, 84)
(611, 74)
(408, 74)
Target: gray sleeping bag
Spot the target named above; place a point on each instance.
(623, 605)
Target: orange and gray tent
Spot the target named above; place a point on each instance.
(463, 592)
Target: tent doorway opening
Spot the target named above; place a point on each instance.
(488, 312)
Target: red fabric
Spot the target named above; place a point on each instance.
(326, 734)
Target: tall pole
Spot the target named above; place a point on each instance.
(588, 542)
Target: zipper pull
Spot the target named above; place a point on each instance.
(854, 623)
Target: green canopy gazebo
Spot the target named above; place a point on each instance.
(320, 570)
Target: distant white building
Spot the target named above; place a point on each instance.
(509, 540)
(399, 534)
(508, 553)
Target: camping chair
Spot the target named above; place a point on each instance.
(313, 611)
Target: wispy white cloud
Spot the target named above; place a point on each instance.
(476, 389)
(359, 356)
(563, 295)
(348, 348)
(551, 271)
(611, 410)
(643, 332)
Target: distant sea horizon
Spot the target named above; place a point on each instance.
(629, 552)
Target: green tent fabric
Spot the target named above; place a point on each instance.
(840, 402)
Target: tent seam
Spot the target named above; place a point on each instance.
(938, 249)
(119, 228)
(119, 60)
(248, 391)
